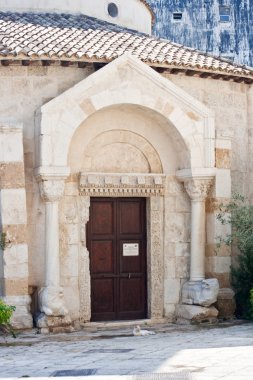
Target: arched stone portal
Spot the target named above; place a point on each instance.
(161, 132)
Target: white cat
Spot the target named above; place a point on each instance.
(138, 332)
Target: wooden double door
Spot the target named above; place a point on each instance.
(116, 239)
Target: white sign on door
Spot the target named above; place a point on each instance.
(131, 249)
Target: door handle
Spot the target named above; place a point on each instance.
(129, 275)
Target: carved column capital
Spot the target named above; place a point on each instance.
(51, 182)
(198, 188)
(197, 182)
(52, 190)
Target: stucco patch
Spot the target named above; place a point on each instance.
(222, 158)
(15, 287)
(87, 106)
(12, 175)
(193, 116)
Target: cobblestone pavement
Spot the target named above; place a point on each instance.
(207, 353)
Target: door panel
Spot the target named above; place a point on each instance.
(102, 298)
(102, 257)
(116, 239)
(129, 217)
(102, 217)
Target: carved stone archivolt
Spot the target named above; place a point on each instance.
(125, 185)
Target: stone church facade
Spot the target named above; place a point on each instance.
(98, 121)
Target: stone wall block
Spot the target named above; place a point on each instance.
(13, 206)
(12, 175)
(171, 291)
(223, 183)
(69, 263)
(218, 264)
(72, 233)
(15, 286)
(182, 267)
(15, 255)
(169, 312)
(222, 158)
(183, 203)
(21, 318)
(169, 267)
(195, 314)
(11, 147)
(174, 225)
(226, 303)
(182, 249)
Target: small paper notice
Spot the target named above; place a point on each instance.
(131, 249)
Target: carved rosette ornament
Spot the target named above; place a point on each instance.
(198, 189)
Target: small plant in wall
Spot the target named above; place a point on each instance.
(6, 312)
(239, 214)
(4, 242)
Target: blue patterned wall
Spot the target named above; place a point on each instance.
(204, 26)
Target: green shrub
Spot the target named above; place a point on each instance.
(6, 312)
(239, 214)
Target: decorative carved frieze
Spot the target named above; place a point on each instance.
(155, 259)
(84, 206)
(84, 285)
(128, 185)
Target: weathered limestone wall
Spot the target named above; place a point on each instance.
(229, 102)
(26, 89)
(250, 136)
(13, 220)
(177, 226)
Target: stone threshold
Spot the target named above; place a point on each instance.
(122, 324)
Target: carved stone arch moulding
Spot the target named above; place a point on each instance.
(126, 81)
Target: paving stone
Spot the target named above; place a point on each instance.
(74, 372)
(206, 353)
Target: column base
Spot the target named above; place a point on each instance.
(192, 314)
(51, 324)
(51, 301)
(226, 303)
(202, 292)
(21, 318)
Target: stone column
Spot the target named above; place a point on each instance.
(197, 190)
(53, 315)
(51, 296)
(198, 294)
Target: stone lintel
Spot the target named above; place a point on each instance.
(137, 185)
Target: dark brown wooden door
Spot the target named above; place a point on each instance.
(117, 244)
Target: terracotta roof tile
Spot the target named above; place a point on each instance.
(82, 38)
